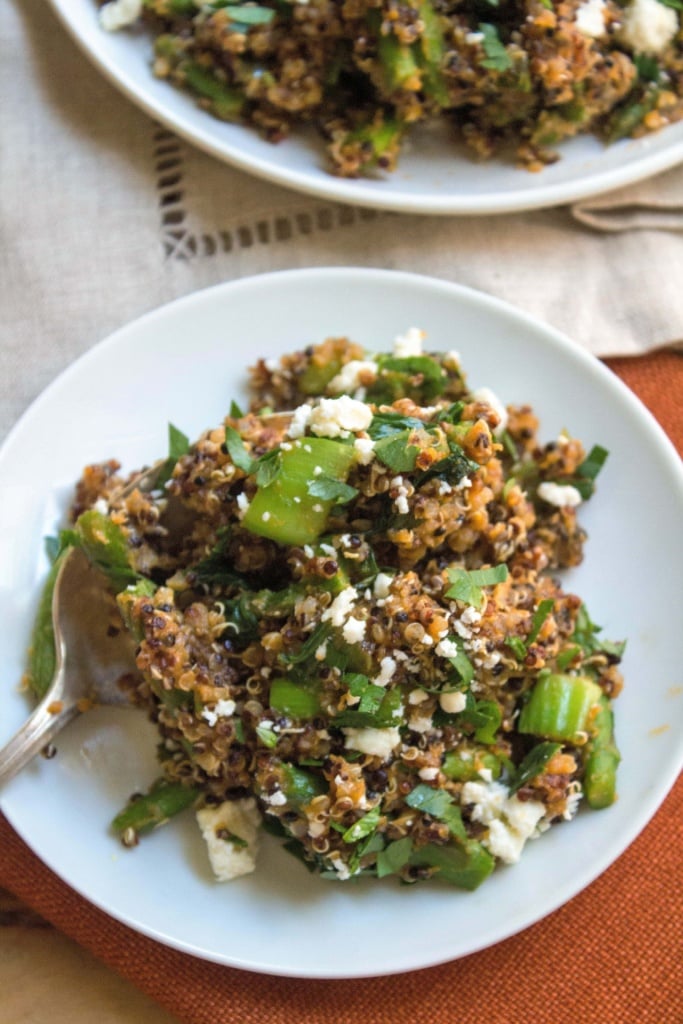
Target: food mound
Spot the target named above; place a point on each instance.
(348, 622)
(520, 75)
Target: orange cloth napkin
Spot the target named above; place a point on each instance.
(613, 954)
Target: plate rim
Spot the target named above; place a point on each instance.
(458, 292)
(354, 191)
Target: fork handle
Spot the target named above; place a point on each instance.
(46, 721)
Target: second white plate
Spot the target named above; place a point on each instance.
(434, 176)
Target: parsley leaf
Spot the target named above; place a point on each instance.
(534, 763)
(365, 826)
(234, 445)
(394, 857)
(467, 584)
(497, 57)
(540, 615)
(396, 452)
(329, 489)
(178, 445)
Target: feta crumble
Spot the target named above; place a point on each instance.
(387, 667)
(300, 418)
(239, 818)
(647, 26)
(221, 709)
(353, 376)
(354, 630)
(510, 821)
(119, 14)
(590, 18)
(365, 450)
(492, 399)
(382, 584)
(338, 417)
(376, 742)
(561, 495)
(409, 344)
(340, 608)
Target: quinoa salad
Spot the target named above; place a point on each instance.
(515, 77)
(350, 631)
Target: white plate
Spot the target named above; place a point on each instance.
(433, 175)
(184, 363)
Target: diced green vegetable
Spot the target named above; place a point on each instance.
(164, 800)
(226, 102)
(461, 769)
(293, 700)
(559, 708)
(285, 511)
(602, 760)
(465, 866)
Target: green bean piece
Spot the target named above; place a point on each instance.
(602, 760)
(293, 700)
(164, 800)
(42, 661)
(398, 63)
(433, 48)
(464, 865)
(285, 511)
(226, 102)
(559, 708)
(467, 769)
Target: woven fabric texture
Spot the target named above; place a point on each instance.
(613, 954)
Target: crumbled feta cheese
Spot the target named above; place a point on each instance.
(473, 38)
(452, 703)
(265, 517)
(421, 723)
(561, 495)
(354, 630)
(463, 484)
(238, 818)
(376, 742)
(470, 616)
(492, 399)
(428, 774)
(340, 608)
(409, 344)
(317, 470)
(444, 487)
(382, 584)
(387, 667)
(101, 506)
(221, 709)
(365, 449)
(276, 799)
(341, 869)
(648, 26)
(417, 696)
(300, 418)
(321, 652)
(446, 649)
(242, 504)
(353, 375)
(590, 18)
(308, 551)
(510, 821)
(119, 13)
(338, 417)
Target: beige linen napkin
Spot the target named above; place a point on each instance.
(652, 205)
(105, 215)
